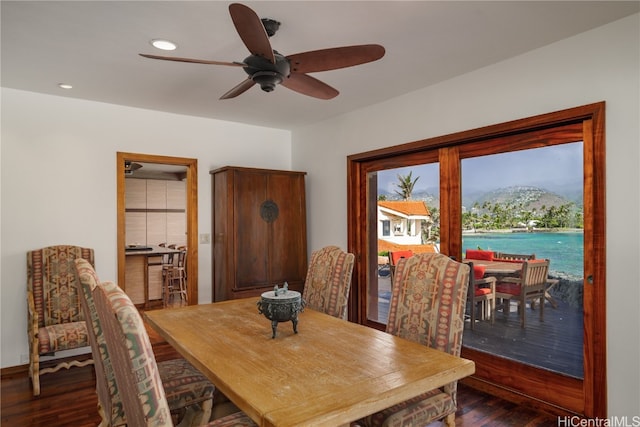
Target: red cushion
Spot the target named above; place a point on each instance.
(481, 255)
(508, 288)
(395, 256)
(478, 271)
(482, 291)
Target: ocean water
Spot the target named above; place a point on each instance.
(565, 250)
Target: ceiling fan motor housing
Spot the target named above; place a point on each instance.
(266, 74)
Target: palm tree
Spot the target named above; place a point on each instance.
(405, 185)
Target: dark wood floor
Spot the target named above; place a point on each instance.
(68, 398)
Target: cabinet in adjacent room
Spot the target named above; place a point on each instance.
(259, 231)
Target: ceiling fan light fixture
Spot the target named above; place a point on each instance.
(163, 44)
(268, 80)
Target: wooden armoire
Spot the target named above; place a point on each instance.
(259, 231)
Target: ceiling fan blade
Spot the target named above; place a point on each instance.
(251, 31)
(334, 58)
(239, 89)
(196, 61)
(309, 86)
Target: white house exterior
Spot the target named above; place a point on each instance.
(400, 221)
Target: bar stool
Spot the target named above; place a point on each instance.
(177, 279)
(168, 265)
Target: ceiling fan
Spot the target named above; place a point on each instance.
(268, 68)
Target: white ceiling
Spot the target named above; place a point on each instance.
(94, 46)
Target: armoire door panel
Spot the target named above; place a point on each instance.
(288, 234)
(252, 232)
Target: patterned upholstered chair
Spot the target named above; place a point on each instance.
(427, 306)
(184, 385)
(326, 287)
(55, 318)
(136, 373)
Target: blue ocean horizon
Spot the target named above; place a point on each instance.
(564, 249)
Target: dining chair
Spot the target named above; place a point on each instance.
(530, 286)
(427, 306)
(184, 385)
(136, 373)
(482, 292)
(328, 281)
(55, 319)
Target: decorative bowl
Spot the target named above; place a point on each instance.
(281, 305)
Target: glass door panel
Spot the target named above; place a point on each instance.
(403, 218)
(529, 202)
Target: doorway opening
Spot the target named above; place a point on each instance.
(187, 167)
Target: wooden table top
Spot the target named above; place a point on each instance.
(331, 373)
(499, 267)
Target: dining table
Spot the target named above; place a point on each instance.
(330, 373)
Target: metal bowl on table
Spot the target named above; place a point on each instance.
(281, 305)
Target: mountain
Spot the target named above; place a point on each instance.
(530, 198)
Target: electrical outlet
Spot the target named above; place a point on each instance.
(205, 238)
(24, 358)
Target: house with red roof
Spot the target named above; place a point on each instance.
(401, 222)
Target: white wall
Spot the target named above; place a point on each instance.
(599, 65)
(59, 182)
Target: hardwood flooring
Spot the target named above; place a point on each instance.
(68, 398)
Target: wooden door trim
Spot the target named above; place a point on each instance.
(192, 213)
(593, 389)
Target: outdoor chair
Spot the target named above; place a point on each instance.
(394, 257)
(328, 281)
(501, 256)
(184, 385)
(55, 319)
(531, 285)
(135, 370)
(482, 292)
(427, 306)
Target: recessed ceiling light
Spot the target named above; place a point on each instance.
(64, 86)
(163, 44)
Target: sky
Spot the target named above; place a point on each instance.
(546, 167)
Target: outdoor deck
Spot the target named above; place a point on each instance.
(555, 344)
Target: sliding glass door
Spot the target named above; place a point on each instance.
(535, 187)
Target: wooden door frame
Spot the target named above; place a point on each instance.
(508, 379)
(192, 213)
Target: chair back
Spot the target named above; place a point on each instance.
(534, 275)
(514, 257)
(51, 277)
(428, 301)
(106, 385)
(328, 281)
(395, 256)
(134, 364)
